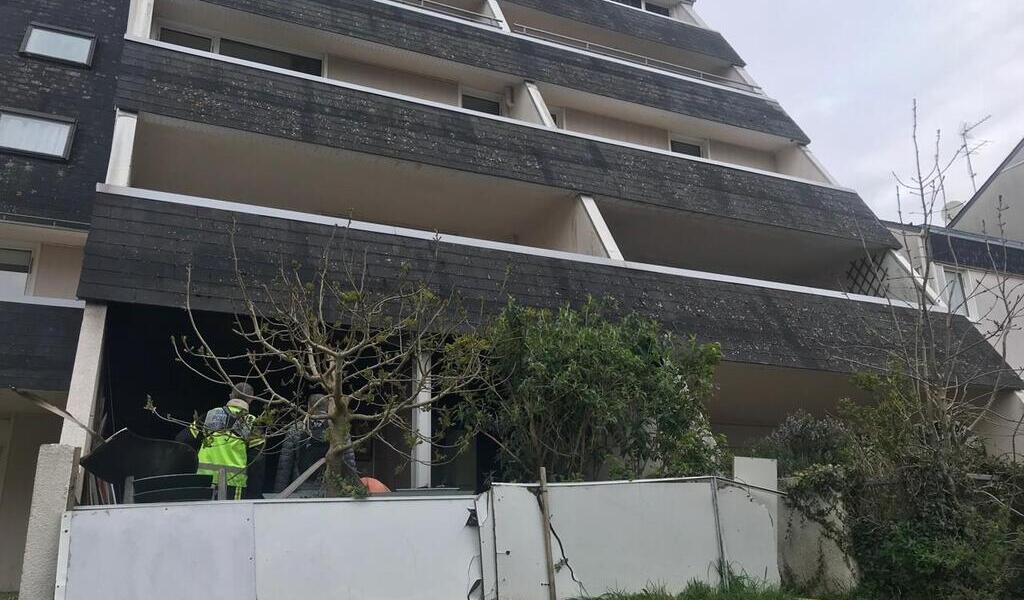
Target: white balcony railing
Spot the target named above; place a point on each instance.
(634, 58)
(454, 11)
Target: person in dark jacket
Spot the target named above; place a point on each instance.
(304, 444)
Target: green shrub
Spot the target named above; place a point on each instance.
(911, 495)
(591, 397)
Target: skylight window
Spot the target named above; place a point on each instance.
(35, 134)
(59, 44)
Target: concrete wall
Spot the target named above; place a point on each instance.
(57, 271)
(399, 82)
(382, 548)
(810, 558)
(29, 431)
(615, 129)
(796, 161)
(568, 228)
(738, 155)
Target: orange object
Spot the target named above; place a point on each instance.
(374, 486)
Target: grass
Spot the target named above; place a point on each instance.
(739, 590)
(8, 596)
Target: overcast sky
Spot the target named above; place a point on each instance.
(847, 72)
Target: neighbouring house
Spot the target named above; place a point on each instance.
(549, 150)
(977, 266)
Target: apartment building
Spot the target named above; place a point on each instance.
(549, 150)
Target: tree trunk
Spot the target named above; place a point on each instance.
(339, 478)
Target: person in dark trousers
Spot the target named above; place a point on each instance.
(228, 440)
(304, 444)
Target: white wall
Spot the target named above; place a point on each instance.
(738, 155)
(28, 433)
(983, 215)
(58, 271)
(568, 228)
(797, 162)
(399, 82)
(381, 548)
(616, 129)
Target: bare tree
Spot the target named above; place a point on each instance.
(378, 350)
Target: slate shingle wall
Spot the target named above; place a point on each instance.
(38, 348)
(985, 255)
(34, 189)
(622, 19)
(496, 51)
(139, 249)
(205, 90)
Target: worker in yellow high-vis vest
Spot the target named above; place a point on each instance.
(228, 441)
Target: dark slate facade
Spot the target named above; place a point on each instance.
(639, 24)
(977, 253)
(38, 349)
(166, 82)
(139, 250)
(54, 191)
(494, 50)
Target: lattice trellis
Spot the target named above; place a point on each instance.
(868, 276)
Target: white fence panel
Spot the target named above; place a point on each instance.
(161, 552)
(380, 549)
(610, 537)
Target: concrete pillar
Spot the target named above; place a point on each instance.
(494, 8)
(122, 146)
(140, 18)
(53, 493)
(421, 423)
(85, 377)
(611, 248)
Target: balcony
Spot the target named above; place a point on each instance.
(40, 336)
(474, 11)
(143, 243)
(604, 21)
(635, 58)
(423, 42)
(198, 88)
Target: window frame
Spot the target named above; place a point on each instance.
(35, 250)
(951, 274)
(24, 51)
(703, 144)
(43, 117)
(216, 36)
(482, 95)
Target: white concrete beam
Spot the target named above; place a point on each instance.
(422, 425)
(119, 168)
(605, 234)
(498, 14)
(540, 105)
(140, 18)
(85, 376)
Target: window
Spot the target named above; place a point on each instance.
(188, 40)
(956, 292)
(481, 105)
(58, 44)
(658, 10)
(36, 134)
(687, 148)
(274, 58)
(244, 51)
(15, 267)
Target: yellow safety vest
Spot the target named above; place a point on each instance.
(227, 450)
